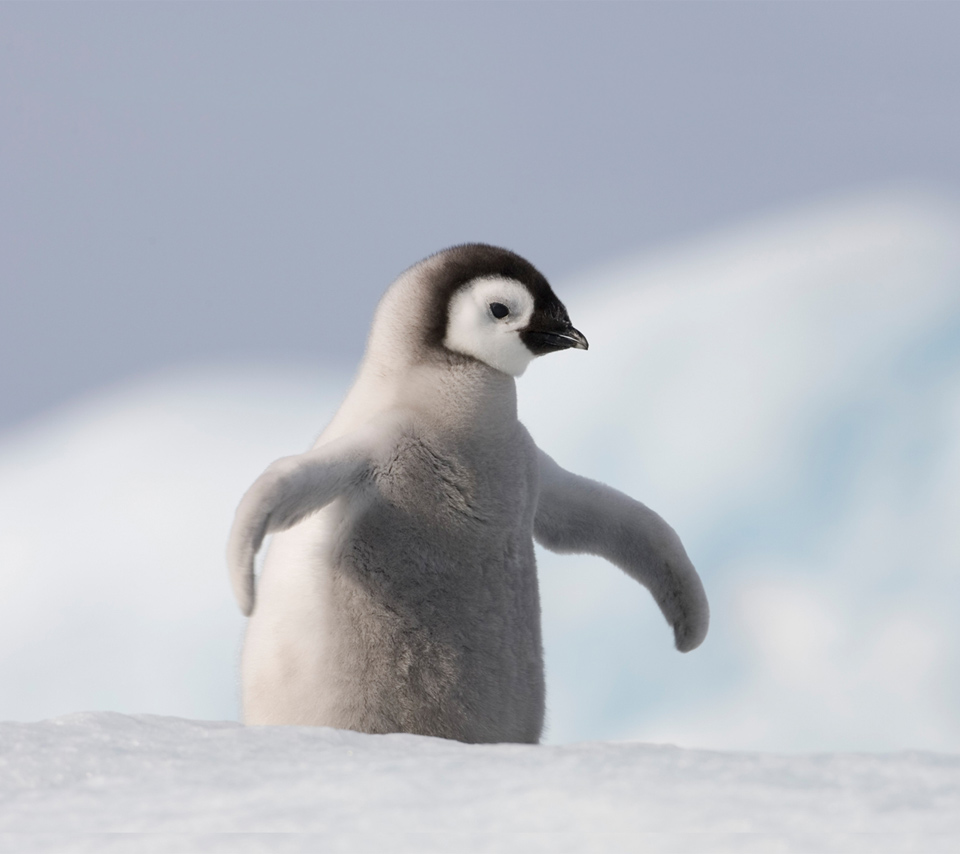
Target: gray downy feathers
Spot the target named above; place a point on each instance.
(399, 591)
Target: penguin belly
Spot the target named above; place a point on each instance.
(411, 606)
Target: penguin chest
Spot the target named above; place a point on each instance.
(438, 518)
(436, 593)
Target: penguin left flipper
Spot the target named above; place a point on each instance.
(288, 491)
(578, 515)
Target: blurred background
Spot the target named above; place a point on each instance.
(750, 209)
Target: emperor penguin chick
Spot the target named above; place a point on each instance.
(399, 591)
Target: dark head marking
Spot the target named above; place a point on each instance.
(454, 267)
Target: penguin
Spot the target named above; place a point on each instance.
(399, 590)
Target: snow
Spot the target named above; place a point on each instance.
(105, 772)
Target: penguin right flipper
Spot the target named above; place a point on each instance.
(288, 491)
(578, 515)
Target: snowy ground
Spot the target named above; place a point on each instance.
(102, 772)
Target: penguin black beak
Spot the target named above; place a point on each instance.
(548, 340)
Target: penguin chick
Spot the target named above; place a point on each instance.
(399, 591)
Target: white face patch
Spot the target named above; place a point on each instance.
(475, 329)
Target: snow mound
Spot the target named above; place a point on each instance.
(787, 395)
(114, 515)
(105, 773)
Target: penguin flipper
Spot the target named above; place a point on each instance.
(288, 491)
(578, 515)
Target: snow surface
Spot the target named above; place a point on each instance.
(786, 394)
(103, 772)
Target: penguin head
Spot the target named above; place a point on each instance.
(496, 307)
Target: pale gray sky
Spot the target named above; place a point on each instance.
(189, 183)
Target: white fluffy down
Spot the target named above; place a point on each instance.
(472, 328)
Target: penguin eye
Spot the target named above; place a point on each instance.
(499, 310)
